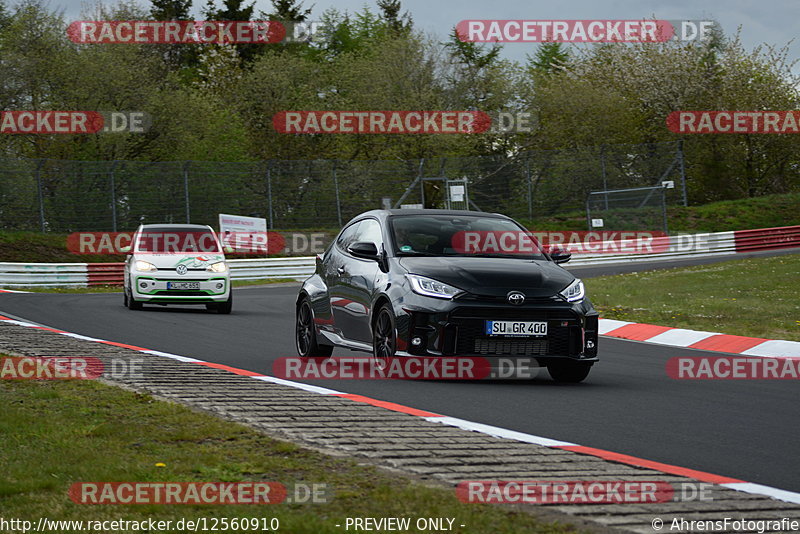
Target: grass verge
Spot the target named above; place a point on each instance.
(56, 433)
(753, 297)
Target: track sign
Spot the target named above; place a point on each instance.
(597, 223)
(245, 234)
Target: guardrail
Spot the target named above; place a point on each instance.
(298, 268)
(94, 274)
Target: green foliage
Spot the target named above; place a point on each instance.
(211, 102)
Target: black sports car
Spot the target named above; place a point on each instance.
(434, 283)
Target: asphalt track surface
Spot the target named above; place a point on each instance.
(747, 429)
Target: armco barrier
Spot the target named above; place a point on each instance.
(93, 274)
(673, 247)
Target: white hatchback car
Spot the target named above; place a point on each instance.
(177, 264)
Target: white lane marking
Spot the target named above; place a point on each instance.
(79, 336)
(497, 431)
(769, 491)
(678, 337)
(299, 385)
(775, 348)
(173, 356)
(607, 325)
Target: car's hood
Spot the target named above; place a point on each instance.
(171, 261)
(493, 276)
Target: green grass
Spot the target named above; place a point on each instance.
(760, 212)
(56, 433)
(754, 297)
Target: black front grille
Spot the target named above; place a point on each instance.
(468, 325)
(522, 347)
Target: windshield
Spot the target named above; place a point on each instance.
(462, 235)
(177, 241)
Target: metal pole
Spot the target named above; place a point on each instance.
(683, 172)
(39, 166)
(530, 191)
(269, 193)
(588, 215)
(113, 197)
(664, 210)
(186, 190)
(603, 164)
(336, 187)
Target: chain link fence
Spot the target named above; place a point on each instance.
(67, 196)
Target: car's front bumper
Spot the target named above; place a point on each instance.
(153, 288)
(457, 328)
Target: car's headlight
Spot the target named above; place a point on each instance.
(218, 267)
(145, 266)
(574, 292)
(432, 288)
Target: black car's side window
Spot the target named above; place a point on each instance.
(348, 236)
(370, 231)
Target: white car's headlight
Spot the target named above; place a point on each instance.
(432, 288)
(218, 267)
(146, 266)
(574, 292)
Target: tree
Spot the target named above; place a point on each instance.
(289, 11)
(390, 13)
(170, 9)
(177, 56)
(549, 57)
(235, 10)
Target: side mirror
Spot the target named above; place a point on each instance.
(365, 250)
(126, 249)
(559, 254)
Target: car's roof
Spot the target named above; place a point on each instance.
(166, 226)
(399, 212)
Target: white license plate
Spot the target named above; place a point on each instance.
(183, 285)
(516, 328)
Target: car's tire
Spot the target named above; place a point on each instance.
(568, 371)
(384, 335)
(132, 304)
(305, 335)
(224, 307)
(124, 296)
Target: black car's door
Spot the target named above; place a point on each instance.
(351, 295)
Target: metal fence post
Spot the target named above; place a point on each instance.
(530, 192)
(113, 196)
(603, 165)
(186, 190)
(40, 193)
(683, 171)
(269, 194)
(336, 187)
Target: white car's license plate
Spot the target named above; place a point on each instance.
(516, 328)
(183, 285)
